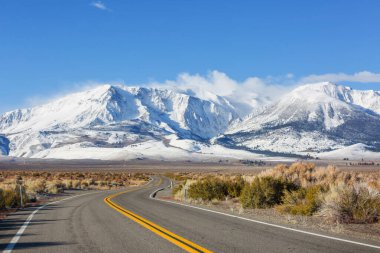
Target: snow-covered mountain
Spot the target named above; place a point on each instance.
(119, 122)
(114, 116)
(311, 118)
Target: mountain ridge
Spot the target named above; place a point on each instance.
(113, 116)
(310, 119)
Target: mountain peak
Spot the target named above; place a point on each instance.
(136, 113)
(324, 92)
(321, 84)
(318, 116)
(325, 87)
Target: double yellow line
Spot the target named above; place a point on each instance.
(164, 233)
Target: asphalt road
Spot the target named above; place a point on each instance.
(88, 224)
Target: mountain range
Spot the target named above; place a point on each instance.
(120, 122)
(312, 118)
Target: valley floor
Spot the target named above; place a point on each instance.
(154, 166)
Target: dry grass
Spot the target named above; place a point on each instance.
(37, 183)
(335, 195)
(351, 204)
(303, 174)
(307, 174)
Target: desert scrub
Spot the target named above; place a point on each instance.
(264, 192)
(54, 187)
(208, 189)
(67, 184)
(36, 183)
(177, 189)
(180, 193)
(356, 203)
(215, 188)
(303, 174)
(304, 201)
(35, 186)
(235, 186)
(75, 184)
(11, 198)
(177, 176)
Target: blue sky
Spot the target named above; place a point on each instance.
(49, 47)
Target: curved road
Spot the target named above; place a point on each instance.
(88, 224)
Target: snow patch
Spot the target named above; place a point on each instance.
(353, 152)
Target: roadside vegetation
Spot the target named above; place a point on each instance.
(32, 186)
(299, 189)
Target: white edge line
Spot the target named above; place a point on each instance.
(265, 223)
(19, 233)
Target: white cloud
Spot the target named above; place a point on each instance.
(100, 5)
(245, 95)
(359, 77)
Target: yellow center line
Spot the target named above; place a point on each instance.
(164, 233)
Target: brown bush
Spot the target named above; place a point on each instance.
(304, 201)
(357, 203)
(303, 174)
(264, 192)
